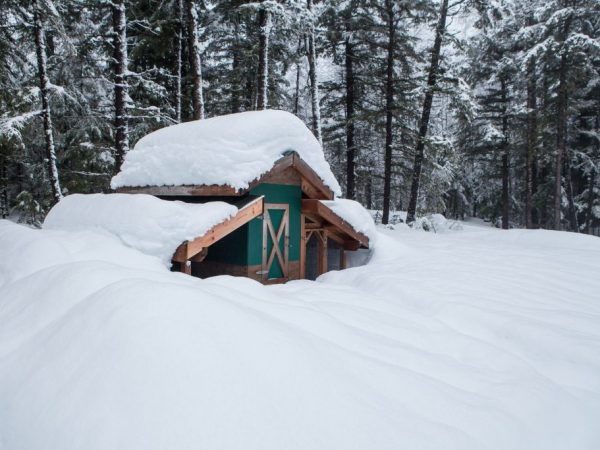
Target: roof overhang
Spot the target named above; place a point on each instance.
(194, 248)
(312, 185)
(340, 230)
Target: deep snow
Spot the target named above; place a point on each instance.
(233, 149)
(471, 339)
(142, 222)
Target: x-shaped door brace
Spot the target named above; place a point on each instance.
(268, 230)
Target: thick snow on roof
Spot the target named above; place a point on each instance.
(143, 222)
(355, 214)
(228, 150)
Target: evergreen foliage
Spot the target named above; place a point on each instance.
(514, 123)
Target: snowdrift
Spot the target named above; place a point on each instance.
(478, 339)
(143, 222)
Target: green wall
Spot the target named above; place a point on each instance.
(276, 193)
(244, 245)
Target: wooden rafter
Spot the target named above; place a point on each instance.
(317, 211)
(190, 249)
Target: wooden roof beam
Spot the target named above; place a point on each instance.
(311, 207)
(189, 249)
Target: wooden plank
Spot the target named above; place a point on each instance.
(303, 239)
(309, 189)
(190, 248)
(311, 176)
(199, 257)
(282, 231)
(265, 265)
(180, 254)
(187, 190)
(332, 234)
(186, 267)
(281, 165)
(314, 208)
(286, 242)
(322, 252)
(343, 261)
(244, 215)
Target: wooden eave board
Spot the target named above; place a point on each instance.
(312, 184)
(244, 215)
(315, 209)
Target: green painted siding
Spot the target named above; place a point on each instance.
(232, 249)
(244, 245)
(276, 193)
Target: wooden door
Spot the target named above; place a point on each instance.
(276, 242)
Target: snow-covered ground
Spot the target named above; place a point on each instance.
(470, 339)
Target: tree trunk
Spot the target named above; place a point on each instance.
(178, 96)
(427, 103)
(590, 205)
(236, 79)
(265, 22)
(40, 50)
(298, 71)
(350, 150)
(505, 159)
(369, 191)
(3, 184)
(389, 112)
(121, 86)
(561, 121)
(531, 142)
(572, 212)
(194, 50)
(314, 82)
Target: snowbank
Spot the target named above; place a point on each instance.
(479, 339)
(143, 222)
(436, 223)
(234, 150)
(355, 214)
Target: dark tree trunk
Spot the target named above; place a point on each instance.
(314, 82)
(427, 103)
(236, 79)
(590, 201)
(264, 17)
(531, 142)
(194, 51)
(572, 211)
(120, 59)
(389, 112)
(40, 49)
(561, 127)
(369, 191)
(4, 207)
(561, 122)
(505, 158)
(178, 96)
(297, 89)
(350, 149)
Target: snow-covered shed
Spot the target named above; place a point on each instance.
(269, 165)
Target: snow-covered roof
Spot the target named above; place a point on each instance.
(231, 150)
(143, 222)
(354, 214)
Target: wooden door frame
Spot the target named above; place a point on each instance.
(269, 231)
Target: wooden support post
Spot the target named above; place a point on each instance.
(303, 240)
(342, 258)
(322, 251)
(186, 267)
